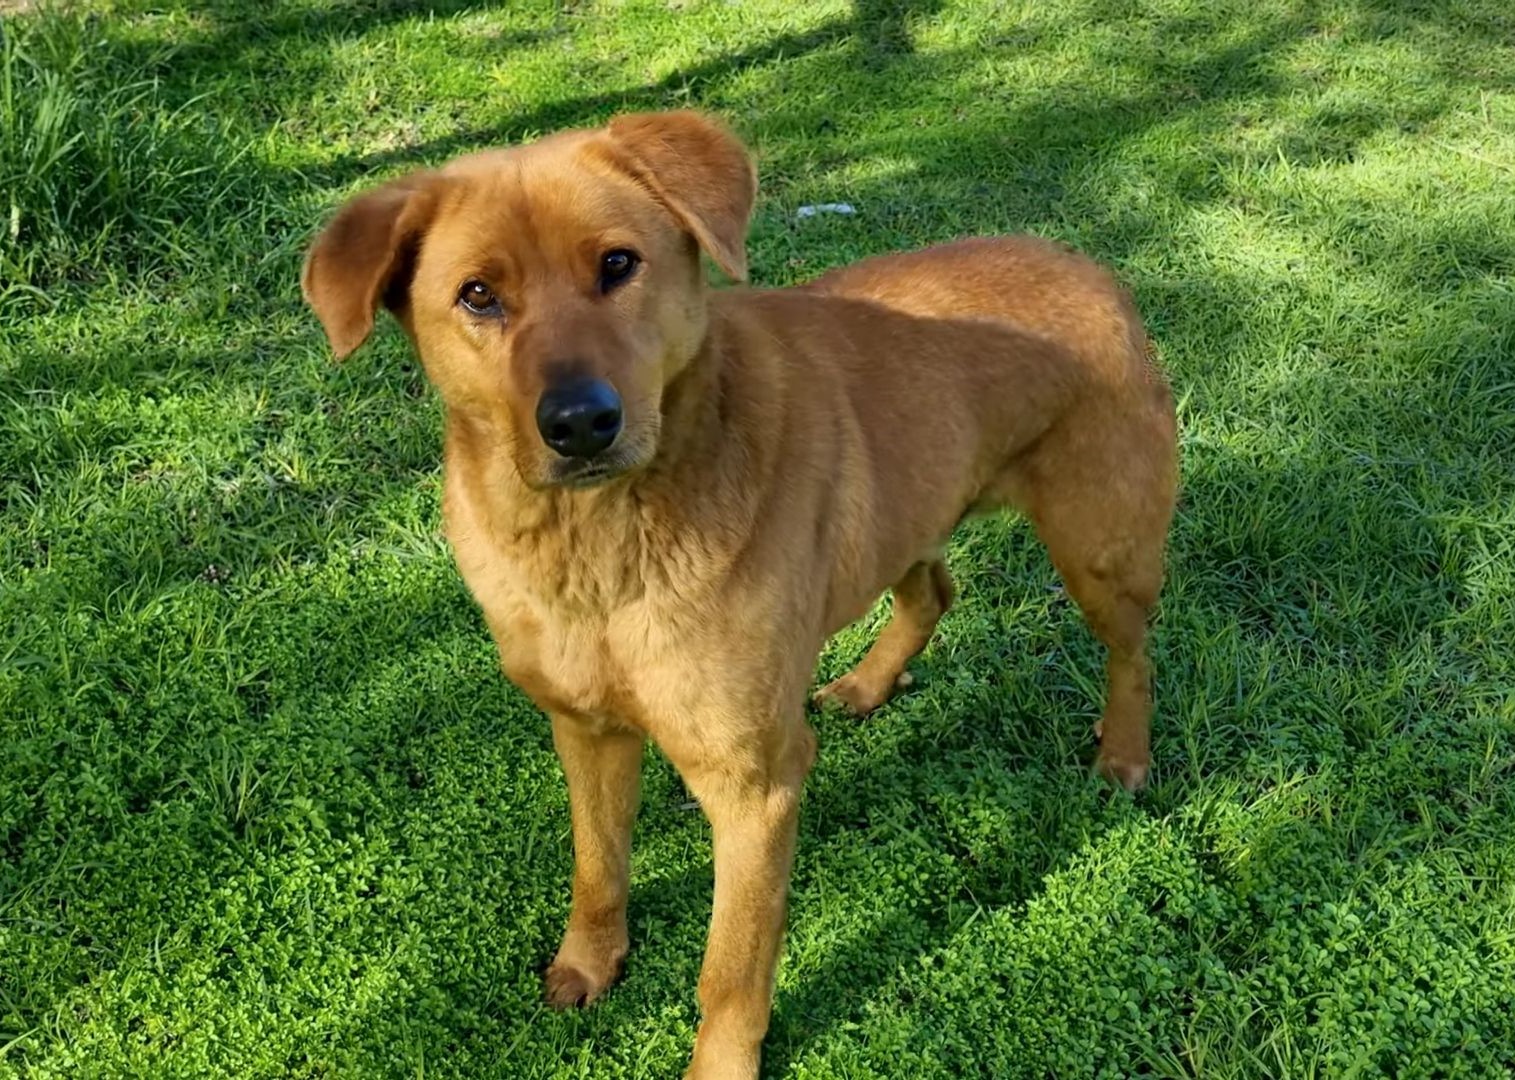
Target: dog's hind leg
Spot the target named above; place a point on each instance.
(1104, 521)
(1116, 608)
(921, 598)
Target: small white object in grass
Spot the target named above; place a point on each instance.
(825, 208)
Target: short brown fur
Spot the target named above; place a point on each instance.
(786, 456)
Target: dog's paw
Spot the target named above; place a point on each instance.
(1131, 775)
(854, 695)
(569, 987)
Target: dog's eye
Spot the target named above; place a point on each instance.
(616, 267)
(478, 298)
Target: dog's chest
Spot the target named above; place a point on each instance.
(593, 669)
(600, 664)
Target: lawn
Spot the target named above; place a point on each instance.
(267, 808)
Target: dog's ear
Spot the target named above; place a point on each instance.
(365, 257)
(700, 172)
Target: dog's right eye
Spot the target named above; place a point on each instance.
(479, 298)
(616, 267)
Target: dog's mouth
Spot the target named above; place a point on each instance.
(575, 473)
(586, 474)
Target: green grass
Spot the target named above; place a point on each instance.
(267, 808)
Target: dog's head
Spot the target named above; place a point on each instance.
(552, 290)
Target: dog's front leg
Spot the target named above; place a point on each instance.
(604, 773)
(751, 794)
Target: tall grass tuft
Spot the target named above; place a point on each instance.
(95, 166)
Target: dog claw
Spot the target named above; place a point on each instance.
(569, 988)
(848, 694)
(851, 694)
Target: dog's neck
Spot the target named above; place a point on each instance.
(678, 524)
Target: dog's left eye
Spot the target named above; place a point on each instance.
(615, 267)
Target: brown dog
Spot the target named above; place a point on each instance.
(665, 499)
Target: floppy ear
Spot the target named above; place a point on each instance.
(700, 172)
(365, 256)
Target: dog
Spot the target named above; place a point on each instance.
(665, 498)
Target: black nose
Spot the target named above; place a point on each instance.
(580, 418)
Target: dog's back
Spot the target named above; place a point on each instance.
(1034, 284)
